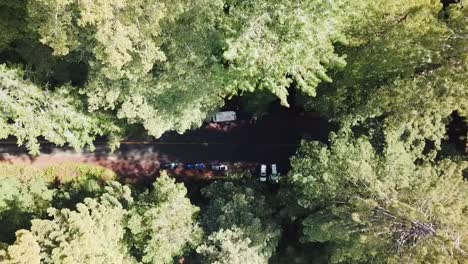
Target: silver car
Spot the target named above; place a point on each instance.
(263, 173)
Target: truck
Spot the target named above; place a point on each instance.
(224, 116)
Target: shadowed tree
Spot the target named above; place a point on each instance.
(20, 202)
(241, 210)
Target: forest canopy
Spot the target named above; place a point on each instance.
(168, 65)
(389, 186)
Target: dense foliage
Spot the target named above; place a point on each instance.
(111, 225)
(244, 215)
(381, 207)
(404, 84)
(231, 246)
(91, 218)
(162, 223)
(390, 74)
(168, 65)
(381, 192)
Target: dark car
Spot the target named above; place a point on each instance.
(170, 166)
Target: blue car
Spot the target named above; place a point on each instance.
(190, 166)
(195, 166)
(200, 166)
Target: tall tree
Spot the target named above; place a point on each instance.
(28, 111)
(21, 201)
(230, 246)
(92, 219)
(26, 193)
(234, 207)
(405, 83)
(93, 233)
(162, 223)
(26, 250)
(380, 207)
(169, 64)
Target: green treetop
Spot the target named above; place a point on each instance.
(381, 206)
(168, 65)
(26, 250)
(403, 78)
(231, 246)
(233, 208)
(162, 223)
(93, 233)
(28, 111)
(92, 219)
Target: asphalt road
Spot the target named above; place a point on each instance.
(274, 139)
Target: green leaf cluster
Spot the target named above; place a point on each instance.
(381, 207)
(241, 213)
(162, 223)
(89, 218)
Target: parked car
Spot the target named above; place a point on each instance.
(225, 116)
(195, 166)
(200, 166)
(170, 166)
(263, 173)
(219, 167)
(274, 176)
(190, 166)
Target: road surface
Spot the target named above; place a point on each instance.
(274, 139)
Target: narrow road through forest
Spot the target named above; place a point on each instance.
(273, 139)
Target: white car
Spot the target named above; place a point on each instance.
(263, 173)
(170, 166)
(219, 167)
(225, 116)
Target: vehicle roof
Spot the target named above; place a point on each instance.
(225, 115)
